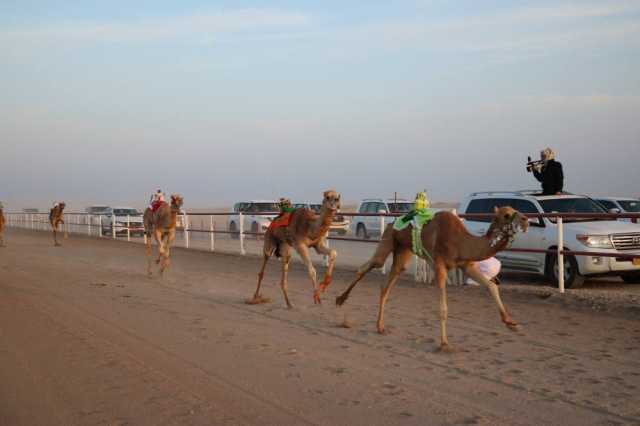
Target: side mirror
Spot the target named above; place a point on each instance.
(614, 211)
(382, 211)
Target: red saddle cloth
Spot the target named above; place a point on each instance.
(156, 205)
(283, 220)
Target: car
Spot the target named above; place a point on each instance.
(621, 205)
(122, 218)
(366, 226)
(582, 234)
(339, 225)
(256, 216)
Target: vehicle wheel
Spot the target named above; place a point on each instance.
(631, 277)
(361, 231)
(572, 277)
(234, 231)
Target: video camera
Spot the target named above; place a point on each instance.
(533, 164)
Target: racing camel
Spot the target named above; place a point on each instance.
(302, 230)
(56, 217)
(162, 224)
(446, 244)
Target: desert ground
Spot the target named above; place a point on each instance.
(87, 338)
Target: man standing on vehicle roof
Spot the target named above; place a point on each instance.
(549, 172)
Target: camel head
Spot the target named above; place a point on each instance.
(62, 205)
(506, 224)
(331, 201)
(176, 201)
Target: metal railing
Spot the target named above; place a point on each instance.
(39, 221)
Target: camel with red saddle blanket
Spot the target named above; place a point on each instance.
(160, 221)
(56, 217)
(2, 224)
(300, 229)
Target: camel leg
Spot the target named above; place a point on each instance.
(285, 254)
(257, 299)
(169, 239)
(441, 280)
(385, 247)
(473, 272)
(157, 235)
(149, 253)
(303, 251)
(401, 258)
(55, 236)
(322, 249)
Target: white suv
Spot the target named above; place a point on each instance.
(125, 217)
(253, 222)
(365, 226)
(595, 235)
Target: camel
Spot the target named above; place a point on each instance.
(2, 224)
(56, 217)
(447, 244)
(305, 230)
(162, 224)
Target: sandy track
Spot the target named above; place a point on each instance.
(86, 338)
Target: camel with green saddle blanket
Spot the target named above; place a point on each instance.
(446, 244)
(301, 230)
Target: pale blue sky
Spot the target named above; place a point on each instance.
(102, 102)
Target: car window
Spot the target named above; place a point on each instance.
(124, 212)
(572, 205)
(630, 206)
(363, 207)
(400, 207)
(372, 208)
(607, 204)
(487, 205)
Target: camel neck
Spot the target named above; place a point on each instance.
(323, 222)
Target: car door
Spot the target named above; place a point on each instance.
(373, 222)
(535, 238)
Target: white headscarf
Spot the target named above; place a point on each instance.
(547, 154)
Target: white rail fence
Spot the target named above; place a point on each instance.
(112, 226)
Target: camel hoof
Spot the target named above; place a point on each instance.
(340, 300)
(508, 321)
(446, 348)
(257, 300)
(316, 297)
(382, 331)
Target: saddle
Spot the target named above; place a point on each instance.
(156, 205)
(284, 219)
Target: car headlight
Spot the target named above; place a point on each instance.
(595, 241)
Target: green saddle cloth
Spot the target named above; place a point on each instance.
(417, 218)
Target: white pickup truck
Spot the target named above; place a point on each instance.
(124, 217)
(583, 234)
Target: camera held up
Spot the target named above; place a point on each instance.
(531, 165)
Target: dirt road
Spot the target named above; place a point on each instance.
(87, 338)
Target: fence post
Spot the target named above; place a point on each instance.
(241, 228)
(128, 228)
(212, 228)
(89, 222)
(113, 226)
(560, 255)
(100, 226)
(384, 265)
(185, 222)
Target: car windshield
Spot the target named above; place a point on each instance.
(265, 207)
(630, 206)
(572, 205)
(100, 210)
(400, 207)
(315, 207)
(125, 212)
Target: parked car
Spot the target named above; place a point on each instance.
(583, 234)
(256, 216)
(124, 217)
(339, 225)
(621, 205)
(366, 226)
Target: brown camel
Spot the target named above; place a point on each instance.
(56, 217)
(2, 225)
(448, 245)
(306, 230)
(162, 224)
